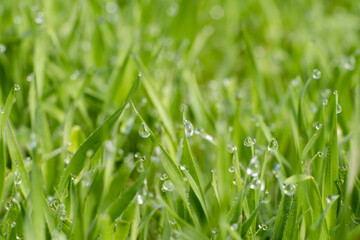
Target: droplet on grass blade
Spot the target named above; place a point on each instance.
(263, 226)
(273, 145)
(2, 110)
(234, 226)
(16, 87)
(320, 154)
(231, 149)
(2, 48)
(144, 130)
(331, 198)
(13, 224)
(289, 189)
(255, 183)
(140, 201)
(338, 108)
(318, 126)
(316, 74)
(249, 141)
(231, 169)
(267, 197)
(189, 128)
(17, 178)
(254, 167)
(168, 186)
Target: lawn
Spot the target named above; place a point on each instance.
(181, 119)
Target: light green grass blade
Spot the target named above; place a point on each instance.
(95, 140)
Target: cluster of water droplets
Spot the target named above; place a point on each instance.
(253, 168)
(273, 145)
(231, 149)
(248, 142)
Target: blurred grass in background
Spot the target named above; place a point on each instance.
(264, 69)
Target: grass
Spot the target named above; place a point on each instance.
(127, 119)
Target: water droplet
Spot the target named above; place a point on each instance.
(350, 64)
(2, 110)
(267, 197)
(289, 189)
(325, 102)
(213, 170)
(140, 167)
(30, 77)
(216, 12)
(338, 108)
(331, 198)
(2, 48)
(62, 212)
(231, 149)
(254, 167)
(168, 186)
(255, 183)
(234, 226)
(263, 226)
(316, 74)
(273, 145)
(17, 178)
(172, 221)
(111, 7)
(182, 167)
(249, 141)
(189, 128)
(183, 108)
(16, 87)
(234, 182)
(214, 230)
(231, 169)
(318, 126)
(9, 205)
(144, 130)
(13, 224)
(140, 200)
(163, 177)
(320, 154)
(39, 19)
(335, 92)
(277, 170)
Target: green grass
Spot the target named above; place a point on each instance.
(80, 79)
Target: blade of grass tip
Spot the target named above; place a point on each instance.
(331, 169)
(259, 81)
(123, 225)
(147, 82)
(120, 204)
(310, 144)
(300, 117)
(214, 185)
(95, 140)
(170, 167)
(247, 224)
(5, 115)
(18, 162)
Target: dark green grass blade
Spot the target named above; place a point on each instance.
(95, 140)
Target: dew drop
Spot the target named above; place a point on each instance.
(276, 170)
(163, 177)
(189, 128)
(234, 226)
(140, 167)
(183, 108)
(331, 198)
(62, 212)
(249, 141)
(39, 19)
(16, 87)
(13, 224)
(30, 77)
(231, 149)
(316, 74)
(267, 197)
(140, 201)
(325, 102)
(213, 170)
(318, 126)
(17, 178)
(320, 154)
(168, 186)
(144, 130)
(289, 189)
(338, 108)
(263, 226)
(182, 167)
(2, 110)
(214, 230)
(231, 169)
(172, 221)
(2, 48)
(254, 167)
(255, 183)
(273, 145)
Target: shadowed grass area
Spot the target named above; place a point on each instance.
(179, 119)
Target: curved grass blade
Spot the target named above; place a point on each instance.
(95, 140)
(245, 227)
